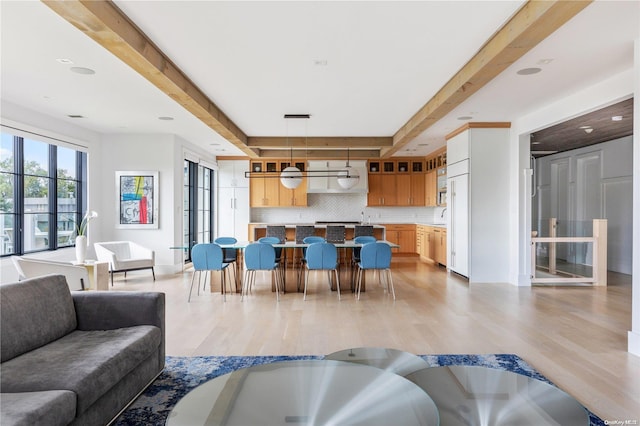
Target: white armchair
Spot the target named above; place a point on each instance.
(124, 256)
(77, 276)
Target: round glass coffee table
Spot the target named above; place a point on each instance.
(392, 360)
(309, 392)
(467, 395)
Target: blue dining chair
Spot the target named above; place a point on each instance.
(355, 254)
(273, 240)
(260, 257)
(322, 256)
(208, 257)
(376, 256)
(230, 254)
(307, 240)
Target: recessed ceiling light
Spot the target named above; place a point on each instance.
(465, 117)
(584, 127)
(65, 61)
(82, 70)
(529, 71)
(165, 118)
(214, 144)
(545, 61)
(616, 118)
(75, 116)
(536, 143)
(423, 144)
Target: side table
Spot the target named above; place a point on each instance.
(98, 274)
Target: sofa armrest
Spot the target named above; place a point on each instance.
(108, 310)
(105, 255)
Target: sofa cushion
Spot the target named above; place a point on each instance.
(135, 264)
(49, 408)
(33, 313)
(88, 363)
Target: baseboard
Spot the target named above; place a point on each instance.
(634, 343)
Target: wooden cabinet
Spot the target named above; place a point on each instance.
(396, 183)
(382, 190)
(418, 191)
(293, 197)
(430, 244)
(426, 242)
(410, 189)
(440, 246)
(402, 234)
(267, 191)
(422, 242)
(431, 189)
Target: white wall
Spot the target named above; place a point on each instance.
(139, 153)
(162, 153)
(634, 333)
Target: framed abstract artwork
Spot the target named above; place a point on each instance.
(137, 194)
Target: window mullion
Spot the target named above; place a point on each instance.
(53, 197)
(18, 205)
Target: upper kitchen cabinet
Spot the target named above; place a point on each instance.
(478, 202)
(231, 173)
(435, 178)
(382, 190)
(322, 177)
(396, 183)
(296, 197)
(264, 190)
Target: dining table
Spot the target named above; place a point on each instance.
(291, 245)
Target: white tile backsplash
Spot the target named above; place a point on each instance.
(347, 207)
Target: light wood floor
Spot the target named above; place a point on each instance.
(575, 336)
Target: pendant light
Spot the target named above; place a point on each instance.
(348, 177)
(290, 177)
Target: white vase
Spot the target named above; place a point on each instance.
(81, 248)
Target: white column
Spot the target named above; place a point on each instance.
(634, 334)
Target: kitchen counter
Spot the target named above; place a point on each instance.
(435, 225)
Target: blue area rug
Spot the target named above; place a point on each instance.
(182, 374)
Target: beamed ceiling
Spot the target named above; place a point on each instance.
(107, 25)
(380, 78)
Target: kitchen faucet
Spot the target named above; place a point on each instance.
(442, 214)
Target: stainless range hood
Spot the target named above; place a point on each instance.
(329, 184)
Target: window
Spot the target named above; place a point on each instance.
(198, 205)
(42, 188)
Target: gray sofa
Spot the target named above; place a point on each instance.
(75, 358)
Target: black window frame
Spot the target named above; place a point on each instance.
(52, 196)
